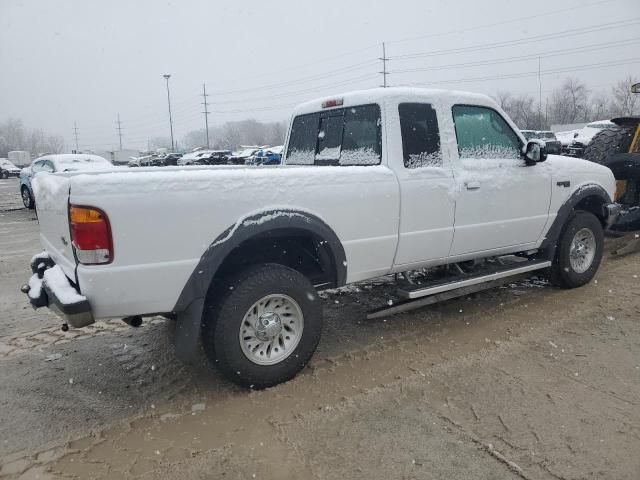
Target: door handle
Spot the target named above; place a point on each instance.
(472, 185)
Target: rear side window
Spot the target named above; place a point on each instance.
(483, 133)
(346, 136)
(420, 135)
(303, 139)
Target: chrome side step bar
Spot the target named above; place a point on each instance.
(455, 289)
(467, 282)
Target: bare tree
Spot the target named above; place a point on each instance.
(570, 103)
(624, 102)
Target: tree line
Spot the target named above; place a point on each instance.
(229, 136)
(572, 102)
(15, 136)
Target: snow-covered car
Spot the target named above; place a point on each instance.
(266, 156)
(8, 169)
(69, 162)
(376, 182)
(242, 157)
(552, 144)
(194, 158)
(583, 136)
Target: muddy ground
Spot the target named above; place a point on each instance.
(525, 381)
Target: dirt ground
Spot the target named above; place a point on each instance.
(524, 381)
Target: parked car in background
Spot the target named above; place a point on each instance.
(243, 156)
(552, 144)
(217, 157)
(266, 156)
(565, 139)
(582, 137)
(8, 169)
(195, 157)
(69, 162)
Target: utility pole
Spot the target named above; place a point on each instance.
(384, 66)
(167, 77)
(75, 131)
(539, 92)
(119, 128)
(206, 112)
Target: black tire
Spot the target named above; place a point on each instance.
(224, 320)
(608, 142)
(562, 272)
(5, 175)
(27, 198)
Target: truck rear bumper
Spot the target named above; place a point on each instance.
(49, 287)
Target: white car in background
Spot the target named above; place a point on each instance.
(8, 169)
(57, 163)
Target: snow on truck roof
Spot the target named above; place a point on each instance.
(399, 94)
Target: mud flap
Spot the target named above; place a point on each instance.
(187, 333)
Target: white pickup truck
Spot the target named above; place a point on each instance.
(372, 183)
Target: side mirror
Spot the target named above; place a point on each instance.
(535, 151)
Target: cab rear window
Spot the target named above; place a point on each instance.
(345, 136)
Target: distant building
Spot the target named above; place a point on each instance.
(119, 157)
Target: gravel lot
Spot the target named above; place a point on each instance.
(525, 381)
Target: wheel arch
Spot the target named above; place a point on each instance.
(297, 239)
(591, 198)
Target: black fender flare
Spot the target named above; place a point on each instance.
(190, 305)
(550, 242)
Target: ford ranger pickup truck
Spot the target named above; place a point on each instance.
(373, 183)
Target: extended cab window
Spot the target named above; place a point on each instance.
(346, 136)
(483, 133)
(420, 135)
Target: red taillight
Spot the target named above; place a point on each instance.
(90, 235)
(336, 102)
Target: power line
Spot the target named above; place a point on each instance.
(206, 113)
(527, 74)
(527, 18)
(551, 53)
(535, 38)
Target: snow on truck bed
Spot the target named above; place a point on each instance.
(211, 179)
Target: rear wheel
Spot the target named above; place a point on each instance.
(265, 326)
(5, 175)
(579, 251)
(27, 198)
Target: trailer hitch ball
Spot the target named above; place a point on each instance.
(65, 327)
(134, 321)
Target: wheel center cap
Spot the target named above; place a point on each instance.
(268, 326)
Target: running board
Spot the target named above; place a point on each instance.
(416, 293)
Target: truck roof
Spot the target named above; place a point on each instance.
(398, 94)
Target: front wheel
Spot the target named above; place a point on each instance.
(264, 327)
(579, 251)
(27, 198)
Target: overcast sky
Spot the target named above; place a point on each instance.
(86, 61)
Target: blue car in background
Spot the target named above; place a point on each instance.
(267, 156)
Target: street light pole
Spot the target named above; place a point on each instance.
(167, 77)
